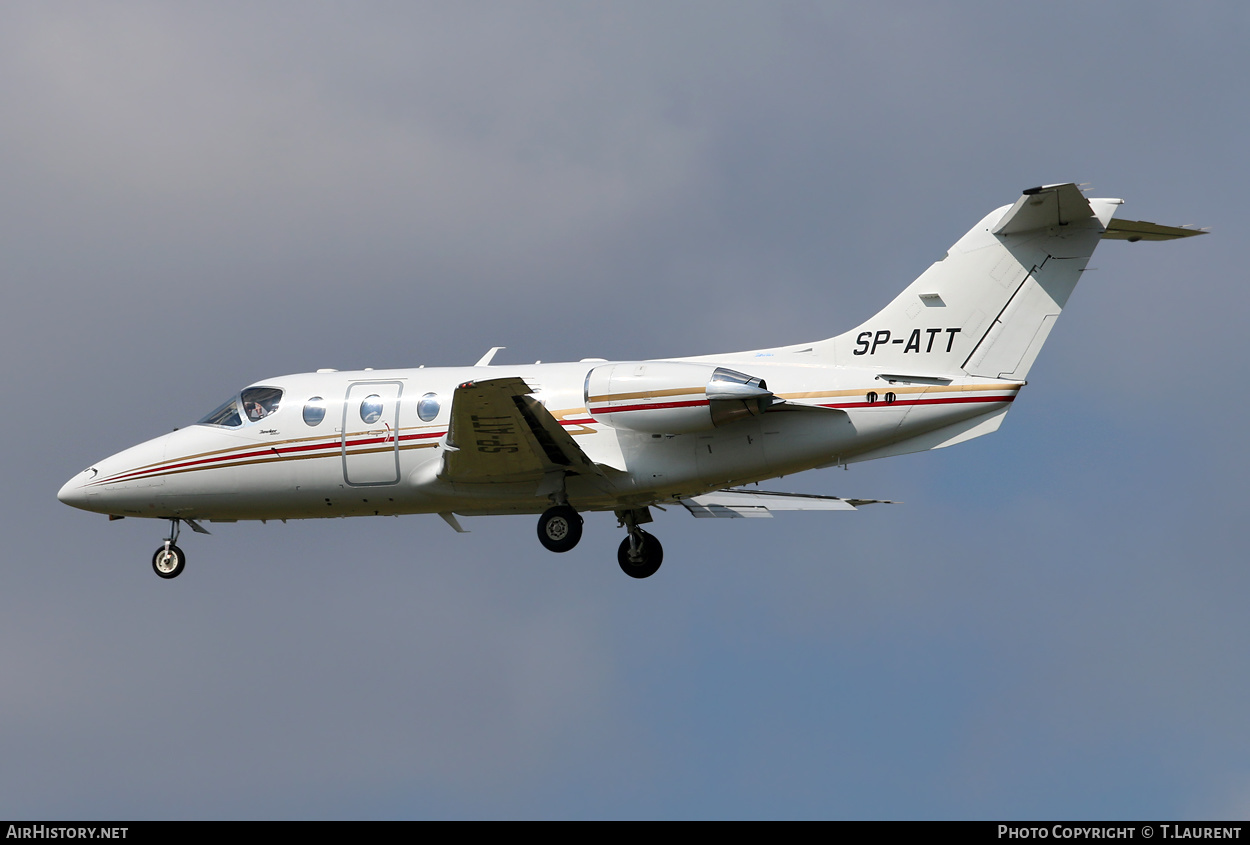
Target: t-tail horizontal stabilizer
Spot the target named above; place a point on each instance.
(1044, 207)
(1141, 230)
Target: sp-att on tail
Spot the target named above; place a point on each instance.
(988, 306)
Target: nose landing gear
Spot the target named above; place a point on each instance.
(169, 560)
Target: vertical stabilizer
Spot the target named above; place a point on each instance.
(987, 307)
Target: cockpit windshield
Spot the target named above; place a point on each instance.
(227, 414)
(255, 403)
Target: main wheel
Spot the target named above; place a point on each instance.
(650, 552)
(169, 564)
(559, 528)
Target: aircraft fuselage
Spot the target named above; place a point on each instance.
(387, 459)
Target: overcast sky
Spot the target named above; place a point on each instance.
(197, 196)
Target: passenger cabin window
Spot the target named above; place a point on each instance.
(260, 402)
(427, 408)
(315, 411)
(371, 408)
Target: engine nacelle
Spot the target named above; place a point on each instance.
(672, 397)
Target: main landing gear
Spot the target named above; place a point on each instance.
(169, 560)
(559, 528)
(640, 554)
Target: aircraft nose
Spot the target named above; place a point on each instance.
(74, 492)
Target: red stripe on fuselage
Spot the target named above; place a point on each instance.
(651, 407)
(255, 451)
(259, 451)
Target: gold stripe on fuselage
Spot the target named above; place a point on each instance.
(276, 458)
(331, 441)
(645, 394)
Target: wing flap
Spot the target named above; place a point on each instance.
(557, 444)
(760, 504)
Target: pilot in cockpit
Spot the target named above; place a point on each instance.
(260, 402)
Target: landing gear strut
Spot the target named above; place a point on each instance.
(559, 528)
(169, 560)
(640, 554)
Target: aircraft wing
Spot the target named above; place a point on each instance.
(737, 504)
(498, 432)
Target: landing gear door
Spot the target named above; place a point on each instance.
(371, 433)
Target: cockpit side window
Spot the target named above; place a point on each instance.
(227, 414)
(260, 402)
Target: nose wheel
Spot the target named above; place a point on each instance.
(169, 560)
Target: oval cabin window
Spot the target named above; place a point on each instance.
(427, 408)
(315, 411)
(371, 408)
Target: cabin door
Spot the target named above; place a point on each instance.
(371, 433)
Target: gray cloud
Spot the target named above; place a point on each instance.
(1050, 626)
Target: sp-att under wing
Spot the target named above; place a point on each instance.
(500, 433)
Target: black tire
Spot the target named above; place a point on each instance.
(559, 528)
(652, 557)
(171, 567)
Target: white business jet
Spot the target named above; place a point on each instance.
(939, 365)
